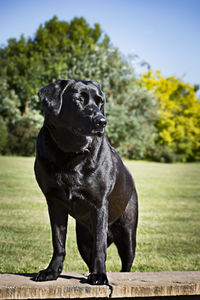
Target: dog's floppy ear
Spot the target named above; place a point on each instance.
(51, 95)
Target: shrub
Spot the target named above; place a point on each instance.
(22, 137)
(3, 135)
(131, 121)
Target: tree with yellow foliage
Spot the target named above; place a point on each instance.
(179, 122)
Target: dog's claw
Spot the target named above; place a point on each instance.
(97, 279)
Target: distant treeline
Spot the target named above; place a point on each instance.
(150, 117)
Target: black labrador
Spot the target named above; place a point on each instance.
(81, 175)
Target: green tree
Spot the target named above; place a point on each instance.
(28, 64)
(75, 50)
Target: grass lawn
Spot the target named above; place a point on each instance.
(168, 230)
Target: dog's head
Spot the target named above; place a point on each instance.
(76, 105)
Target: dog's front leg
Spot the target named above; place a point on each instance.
(58, 217)
(100, 227)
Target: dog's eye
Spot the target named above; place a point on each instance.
(100, 102)
(80, 100)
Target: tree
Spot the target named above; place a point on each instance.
(28, 64)
(75, 50)
(179, 122)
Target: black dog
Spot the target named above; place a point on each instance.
(81, 174)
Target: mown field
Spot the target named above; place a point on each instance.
(168, 230)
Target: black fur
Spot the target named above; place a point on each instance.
(82, 175)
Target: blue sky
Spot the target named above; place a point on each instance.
(165, 33)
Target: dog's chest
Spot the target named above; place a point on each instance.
(79, 187)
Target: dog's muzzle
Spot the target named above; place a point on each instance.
(98, 125)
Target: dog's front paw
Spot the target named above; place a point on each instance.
(46, 275)
(97, 279)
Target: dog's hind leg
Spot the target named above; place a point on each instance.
(126, 245)
(85, 244)
(124, 233)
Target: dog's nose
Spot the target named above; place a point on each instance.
(100, 122)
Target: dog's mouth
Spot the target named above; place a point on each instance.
(93, 132)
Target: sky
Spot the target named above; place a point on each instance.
(165, 33)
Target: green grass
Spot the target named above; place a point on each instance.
(168, 230)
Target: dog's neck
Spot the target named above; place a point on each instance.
(67, 141)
